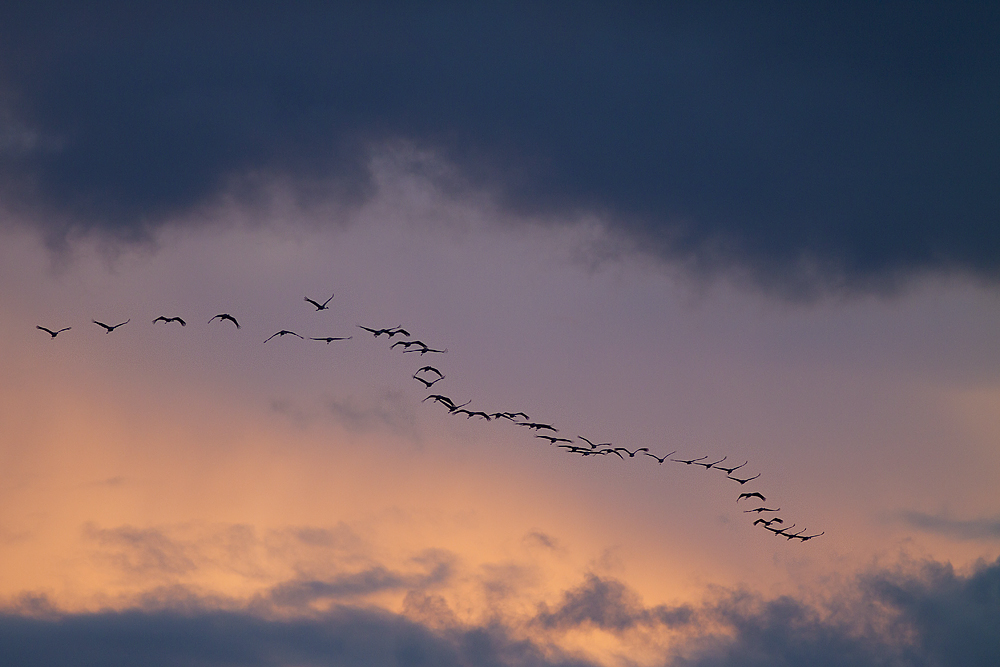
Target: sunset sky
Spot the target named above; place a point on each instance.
(765, 234)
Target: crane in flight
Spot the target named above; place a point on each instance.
(755, 494)
(330, 339)
(690, 461)
(165, 320)
(631, 454)
(225, 316)
(320, 306)
(282, 333)
(661, 459)
(743, 481)
(553, 439)
(710, 465)
(758, 510)
(109, 328)
(537, 427)
(53, 333)
(390, 332)
(806, 538)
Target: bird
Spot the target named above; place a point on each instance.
(537, 427)
(427, 383)
(690, 461)
(709, 465)
(390, 332)
(758, 510)
(226, 316)
(407, 344)
(806, 538)
(53, 333)
(553, 439)
(443, 400)
(789, 536)
(430, 369)
(330, 339)
(161, 318)
(283, 332)
(767, 522)
(425, 350)
(778, 531)
(110, 328)
(729, 471)
(320, 306)
(594, 445)
(661, 459)
(743, 481)
(631, 454)
(755, 494)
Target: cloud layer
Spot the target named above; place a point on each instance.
(841, 146)
(926, 615)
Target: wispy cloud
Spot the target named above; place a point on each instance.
(982, 528)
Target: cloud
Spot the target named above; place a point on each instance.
(811, 147)
(608, 604)
(922, 616)
(963, 529)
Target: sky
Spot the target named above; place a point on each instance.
(751, 234)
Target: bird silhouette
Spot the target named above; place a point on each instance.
(631, 454)
(330, 339)
(755, 494)
(407, 344)
(779, 531)
(430, 369)
(390, 332)
(661, 459)
(53, 333)
(594, 445)
(537, 427)
(758, 510)
(806, 538)
(729, 471)
(425, 350)
(427, 383)
(108, 328)
(710, 465)
(320, 306)
(161, 318)
(552, 439)
(690, 461)
(743, 481)
(789, 536)
(443, 400)
(225, 316)
(767, 522)
(283, 332)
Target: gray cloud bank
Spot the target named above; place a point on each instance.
(840, 144)
(924, 617)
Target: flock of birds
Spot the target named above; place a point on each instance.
(429, 376)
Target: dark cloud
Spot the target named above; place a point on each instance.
(813, 145)
(438, 568)
(963, 529)
(920, 617)
(342, 637)
(608, 604)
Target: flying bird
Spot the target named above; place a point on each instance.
(161, 318)
(407, 344)
(537, 427)
(661, 459)
(690, 461)
(225, 316)
(553, 439)
(758, 510)
(729, 471)
(283, 332)
(767, 522)
(330, 339)
(428, 383)
(390, 332)
(108, 328)
(780, 531)
(755, 494)
(53, 333)
(709, 465)
(631, 455)
(594, 445)
(743, 481)
(320, 306)
(425, 350)
(430, 369)
(806, 538)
